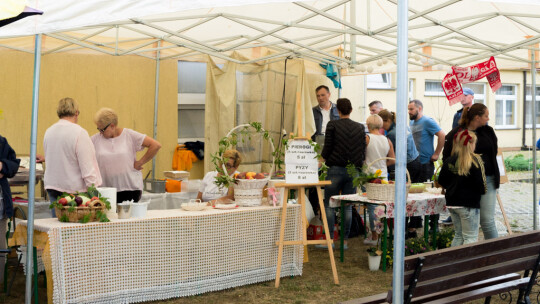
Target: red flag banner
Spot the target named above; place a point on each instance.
(452, 81)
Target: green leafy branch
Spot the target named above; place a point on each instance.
(359, 176)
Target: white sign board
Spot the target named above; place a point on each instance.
(301, 165)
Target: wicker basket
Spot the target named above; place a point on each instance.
(383, 192)
(80, 212)
(249, 192)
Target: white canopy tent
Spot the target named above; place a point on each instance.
(358, 35)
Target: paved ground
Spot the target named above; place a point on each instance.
(517, 200)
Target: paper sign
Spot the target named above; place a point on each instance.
(301, 165)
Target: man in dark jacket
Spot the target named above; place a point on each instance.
(9, 165)
(323, 113)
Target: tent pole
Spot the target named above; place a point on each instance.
(32, 177)
(533, 122)
(156, 97)
(353, 36)
(401, 151)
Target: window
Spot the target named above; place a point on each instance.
(505, 107)
(528, 109)
(191, 99)
(479, 90)
(433, 88)
(379, 81)
(411, 89)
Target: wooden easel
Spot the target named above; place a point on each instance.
(301, 188)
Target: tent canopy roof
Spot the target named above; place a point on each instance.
(441, 32)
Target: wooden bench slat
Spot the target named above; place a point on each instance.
(374, 299)
(466, 288)
(452, 282)
(483, 292)
(454, 266)
(472, 250)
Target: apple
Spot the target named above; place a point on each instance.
(241, 175)
(94, 198)
(259, 176)
(63, 201)
(377, 181)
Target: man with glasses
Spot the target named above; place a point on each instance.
(69, 154)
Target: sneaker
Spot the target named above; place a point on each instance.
(447, 221)
(345, 247)
(321, 246)
(370, 242)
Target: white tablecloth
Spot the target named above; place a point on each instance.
(171, 253)
(161, 201)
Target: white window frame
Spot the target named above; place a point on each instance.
(507, 98)
(190, 101)
(528, 99)
(376, 81)
(478, 97)
(433, 93)
(411, 89)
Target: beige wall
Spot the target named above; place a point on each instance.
(124, 83)
(437, 106)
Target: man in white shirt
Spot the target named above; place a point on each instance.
(324, 112)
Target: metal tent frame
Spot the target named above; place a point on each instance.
(359, 35)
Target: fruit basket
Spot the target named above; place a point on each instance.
(81, 207)
(82, 213)
(383, 192)
(248, 190)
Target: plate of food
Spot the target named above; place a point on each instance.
(194, 205)
(225, 206)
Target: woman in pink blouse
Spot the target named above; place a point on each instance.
(69, 154)
(116, 151)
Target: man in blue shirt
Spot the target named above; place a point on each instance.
(424, 129)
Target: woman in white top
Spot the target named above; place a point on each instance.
(69, 153)
(208, 190)
(377, 146)
(116, 152)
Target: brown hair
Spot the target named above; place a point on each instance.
(232, 154)
(469, 113)
(387, 115)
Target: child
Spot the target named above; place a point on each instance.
(463, 177)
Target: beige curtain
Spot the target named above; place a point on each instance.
(243, 93)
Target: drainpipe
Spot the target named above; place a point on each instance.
(523, 130)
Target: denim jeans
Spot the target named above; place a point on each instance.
(487, 210)
(53, 196)
(466, 222)
(341, 182)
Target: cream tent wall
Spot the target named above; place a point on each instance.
(125, 84)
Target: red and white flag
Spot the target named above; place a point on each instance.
(452, 81)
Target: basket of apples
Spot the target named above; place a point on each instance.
(380, 189)
(81, 207)
(248, 188)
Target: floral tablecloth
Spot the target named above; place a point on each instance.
(418, 204)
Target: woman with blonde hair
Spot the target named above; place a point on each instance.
(116, 152)
(463, 176)
(208, 190)
(378, 146)
(69, 153)
(475, 119)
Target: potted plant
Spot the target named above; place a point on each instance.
(374, 256)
